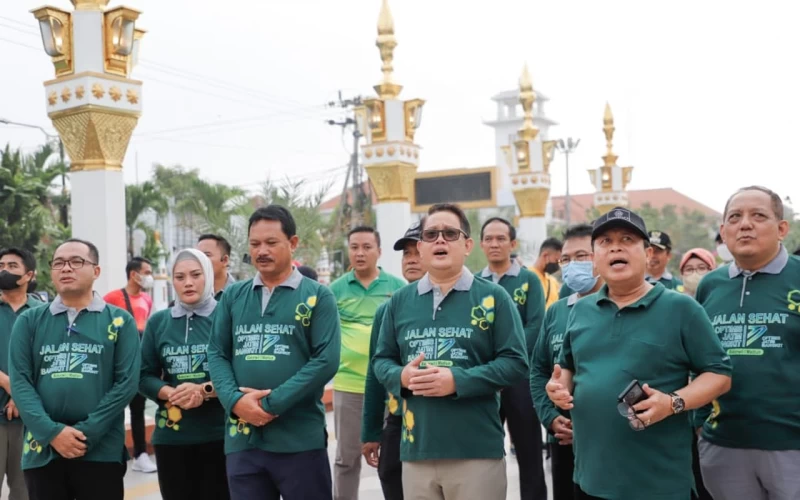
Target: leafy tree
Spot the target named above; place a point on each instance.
(140, 198)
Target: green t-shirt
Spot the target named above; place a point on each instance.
(659, 340)
(757, 319)
(286, 340)
(669, 281)
(173, 353)
(526, 291)
(80, 372)
(474, 331)
(357, 307)
(376, 397)
(545, 355)
(7, 319)
(565, 291)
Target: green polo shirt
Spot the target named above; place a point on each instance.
(565, 291)
(357, 306)
(526, 291)
(669, 281)
(286, 340)
(757, 318)
(475, 331)
(545, 355)
(376, 397)
(7, 319)
(659, 340)
(74, 368)
(174, 349)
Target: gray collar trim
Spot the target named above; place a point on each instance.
(463, 284)
(293, 281)
(514, 270)
(205, 309)
(96, 305)
(775, 266)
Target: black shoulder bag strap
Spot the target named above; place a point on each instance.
(128, 305)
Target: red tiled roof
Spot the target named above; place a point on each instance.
(657, 198)
(334, 202)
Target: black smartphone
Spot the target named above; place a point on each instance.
(632, 394)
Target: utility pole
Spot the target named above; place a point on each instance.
(567, 148)
(354, 169)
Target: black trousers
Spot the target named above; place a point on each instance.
(390, 468)
(562, 464)
(64, 479)
(516, 407)
(262, 475)
(192, 471)
(137, 424)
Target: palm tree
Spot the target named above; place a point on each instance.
(140, 198)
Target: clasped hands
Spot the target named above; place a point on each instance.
(432, 381)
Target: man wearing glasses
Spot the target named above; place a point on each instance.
(498, 239)
(74, 366)
(579, 274)
(631, 347)
(448, 344)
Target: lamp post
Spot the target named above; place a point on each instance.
(94, 106)
(62, 209)
(567, 148)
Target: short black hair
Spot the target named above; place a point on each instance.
(577, 231)
(28, 260)
(277, 213)
(308, 272)
(512, 231)
(222, 243)
(135, 265)
(777, 203)
(453, 209)
(718, 239)
(94, 254)
(551, 244)
(365, 229)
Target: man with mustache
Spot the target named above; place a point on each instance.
(448, 344)
(627, 355)
(275, 344)
(358, 294)
(498, 240)
(381, 445)
(750, 444)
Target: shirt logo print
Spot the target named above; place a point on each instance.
(304, 309)
(75, 360)
(114, 327)
(483, 314)
(268, 341)
(444, 345)
(755, 332)
(794, 300)
(197, 360)
(521, 294)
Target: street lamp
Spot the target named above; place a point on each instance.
(567, 148)
(63, 208)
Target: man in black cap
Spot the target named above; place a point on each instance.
(627, 354)
(381, 445)
(661, 253)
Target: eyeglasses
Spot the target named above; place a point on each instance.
(699, 270)
(629, 413)
(581, 257)
(448, 233)
(74, 263)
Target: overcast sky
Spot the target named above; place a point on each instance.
(705, 94)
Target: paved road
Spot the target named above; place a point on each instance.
(139, 486)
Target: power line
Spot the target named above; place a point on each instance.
(20, 44)
(20, 30)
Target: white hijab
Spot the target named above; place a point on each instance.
(206, 304)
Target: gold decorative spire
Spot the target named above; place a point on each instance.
(386, 43)
(89, 4)
(610, 158)
(527, 96)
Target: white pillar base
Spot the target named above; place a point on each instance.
(532, 231)
(98, 216)
(394, 218)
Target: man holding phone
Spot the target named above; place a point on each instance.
(627, 354)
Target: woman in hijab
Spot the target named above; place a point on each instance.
(190, 422)
(695, 264)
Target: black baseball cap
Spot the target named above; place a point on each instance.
(619, 217)
(412, 234)
(660, 240)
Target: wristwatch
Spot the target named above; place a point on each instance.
(208, 389)
(678, 405)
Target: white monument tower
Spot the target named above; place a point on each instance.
(390, 155)
(610, 180)
(530, 178)
(95, 107)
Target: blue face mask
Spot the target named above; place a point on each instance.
(578, 276)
